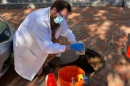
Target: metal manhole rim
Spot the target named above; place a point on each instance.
(95, 53)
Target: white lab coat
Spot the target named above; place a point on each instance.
(32, 42)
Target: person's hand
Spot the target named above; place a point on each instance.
(77, 47)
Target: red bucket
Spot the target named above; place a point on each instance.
(65, 75)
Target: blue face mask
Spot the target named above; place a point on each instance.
(58, 19)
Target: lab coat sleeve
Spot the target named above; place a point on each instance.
(67, 33)
(41, 34)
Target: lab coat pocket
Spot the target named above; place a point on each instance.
(29, 56)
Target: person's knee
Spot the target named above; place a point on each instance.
(62, 40)
(40, 71)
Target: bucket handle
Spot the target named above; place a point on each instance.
(73, 81)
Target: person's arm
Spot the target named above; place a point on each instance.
(67, 33)
(42, 37)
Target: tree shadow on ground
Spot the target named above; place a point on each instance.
(104, 28)
(106, 32)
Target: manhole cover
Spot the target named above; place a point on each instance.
(90, 62)
(66, 58)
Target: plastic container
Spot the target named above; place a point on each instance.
(83, 52)
(51, 80)
(66, 74)
(128, 52)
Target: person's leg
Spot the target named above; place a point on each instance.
(49, 58)
(40, 71)
(62, 41)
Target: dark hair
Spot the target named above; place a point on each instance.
(60, 5)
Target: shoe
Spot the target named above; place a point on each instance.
(124, 54)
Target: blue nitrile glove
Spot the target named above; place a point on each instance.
(77, 47)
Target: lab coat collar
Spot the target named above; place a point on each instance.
(48, 18)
